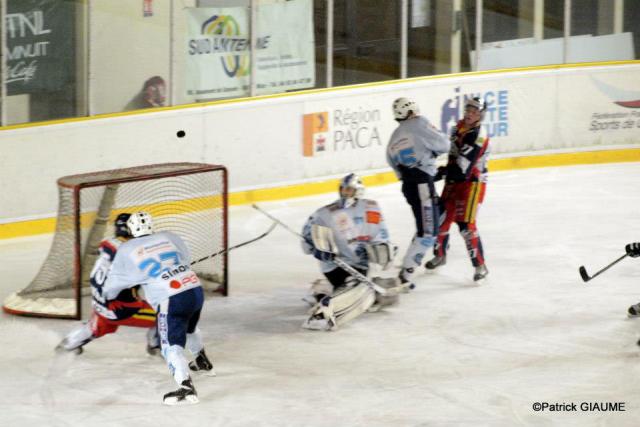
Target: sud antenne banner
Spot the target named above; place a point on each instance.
(39, 45)
(218, 50)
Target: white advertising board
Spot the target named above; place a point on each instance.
(275, 141)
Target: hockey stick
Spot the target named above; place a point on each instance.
(586, 277)
(338, 261)
(239, 245)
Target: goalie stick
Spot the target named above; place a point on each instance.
(586, 277)
(239, 245)
(338, 261)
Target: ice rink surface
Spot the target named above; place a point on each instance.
(451, 353)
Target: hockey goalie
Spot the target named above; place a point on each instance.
(346, 237)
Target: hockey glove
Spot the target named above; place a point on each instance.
(323, 255)
(633, 249)
(442, 171)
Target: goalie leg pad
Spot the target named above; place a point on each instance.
(321, 287)
(387, 283)
(344, 306)
(352, 302)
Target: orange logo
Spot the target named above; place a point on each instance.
(373, 217)
(175, 284)
(315, 127)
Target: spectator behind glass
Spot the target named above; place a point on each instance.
(153, 94)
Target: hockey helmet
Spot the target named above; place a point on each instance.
(351, 189)
(477, 103)
(402, 107)
(140, 224)
(122, 230)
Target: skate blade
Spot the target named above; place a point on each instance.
(174, 401)
(310, 300)
(209, 373)
(318, 325)
(481, 281)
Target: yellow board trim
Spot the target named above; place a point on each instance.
(47, 225)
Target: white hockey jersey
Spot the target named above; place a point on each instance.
(353, 228)
(106, 253)
(416, 143)
(159, 262)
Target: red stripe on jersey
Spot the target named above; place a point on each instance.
(108, 248)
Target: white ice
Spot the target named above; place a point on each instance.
(451, 353)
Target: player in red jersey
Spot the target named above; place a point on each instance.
(465, 186)
(128, 309)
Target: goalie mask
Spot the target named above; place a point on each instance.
(403, 107)
(122, 229)
(140, 224)
(351, 189)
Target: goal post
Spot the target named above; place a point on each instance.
(189, 199)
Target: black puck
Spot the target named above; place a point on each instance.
(180, 134)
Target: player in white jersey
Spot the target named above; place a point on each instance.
(127, 309)
(361, 236)
(160, 263)
(412, 152)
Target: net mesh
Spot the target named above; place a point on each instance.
(187, 199)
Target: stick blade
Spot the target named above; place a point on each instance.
(583, 273)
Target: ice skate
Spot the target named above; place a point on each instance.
(185, 395)
(202, 364)
(64, 347)
(480, 273)
(322, 317)
(435, 262)
(405, 279)
(76, 339)
(153, 342)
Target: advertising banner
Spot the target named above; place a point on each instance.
(218, 50)
(39, 38)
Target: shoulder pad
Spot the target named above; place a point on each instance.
(110, 246)
(333, 206)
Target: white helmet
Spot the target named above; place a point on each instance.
(140, 224)
(351, 181)
(402, 107)
(477, 103)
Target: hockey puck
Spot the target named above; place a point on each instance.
(180, 134)
(638, 342)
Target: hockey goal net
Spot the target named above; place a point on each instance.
(189, 199)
